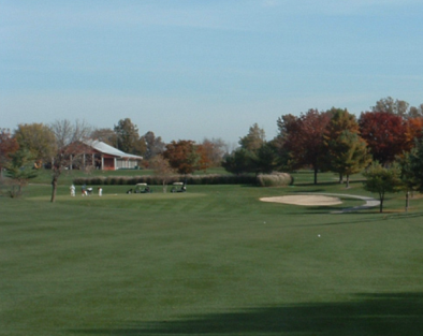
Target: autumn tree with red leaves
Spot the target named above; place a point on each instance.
(182, 156)
(215, 150)
(8, 146)
(204, 161)
(385, 134)
(413, 131)
(303, 138)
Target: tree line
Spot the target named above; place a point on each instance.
(388, 135)
(386, 142)
(38, 145)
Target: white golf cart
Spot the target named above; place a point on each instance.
(140, 188)
(178, 187)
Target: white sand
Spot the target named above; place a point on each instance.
(308, 200)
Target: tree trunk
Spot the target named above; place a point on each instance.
(407, 201)
(341, 178)
(381, 204)
(54, 189)
(315, 175)
(348, 181)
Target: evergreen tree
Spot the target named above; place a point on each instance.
(416, 164)
(240, 161)
(409, 182)
(266, 159)
(20, 169)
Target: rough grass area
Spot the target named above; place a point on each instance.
(212, 261)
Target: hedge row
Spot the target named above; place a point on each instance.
(263, 180)
(158, 180)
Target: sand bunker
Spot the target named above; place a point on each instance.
(308, 200)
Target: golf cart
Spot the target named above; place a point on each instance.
(178, 187)
(140, 188)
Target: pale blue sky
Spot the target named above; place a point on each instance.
(188, 69)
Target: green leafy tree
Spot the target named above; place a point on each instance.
(416, 112)
(20, 169)
(347, 155)
(398, 107)
(382, 180)
(154, 145)
(416, 164)
(266, 159)
(38, 139)
(341, 120)
(391, 106)
(408, 178)
(140, 147)
(240, 161)
(411, 164)
(251, 156)
(254, 139)
(127, 135)
(106, 135)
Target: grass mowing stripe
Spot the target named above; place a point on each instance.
(218, 264)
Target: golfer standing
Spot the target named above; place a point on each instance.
(72, 190)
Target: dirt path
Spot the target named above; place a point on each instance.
(370, 202)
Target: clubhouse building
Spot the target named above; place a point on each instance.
(100, 155)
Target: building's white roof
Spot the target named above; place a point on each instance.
(107, 149)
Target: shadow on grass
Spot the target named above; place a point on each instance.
(313, 190)
(325, 209)
(370, 314)
(360, 217)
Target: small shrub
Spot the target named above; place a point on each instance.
(274, 180)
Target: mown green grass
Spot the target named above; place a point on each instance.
(212, 261)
